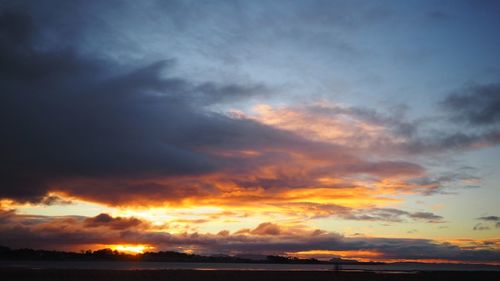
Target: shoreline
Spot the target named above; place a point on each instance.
(150, 265)
(25, 274)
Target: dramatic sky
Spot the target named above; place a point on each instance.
(355, 129)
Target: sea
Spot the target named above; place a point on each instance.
(130, 265)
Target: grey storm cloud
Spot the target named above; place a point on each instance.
(490, 218)
(64, 114)
(487, 219)
(477, 105)
(112, 222)
(475, 111)
(92, 127)
(69, 113)
(82, 123)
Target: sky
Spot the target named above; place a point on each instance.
(366, 130)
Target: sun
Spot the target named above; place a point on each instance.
(131, 249)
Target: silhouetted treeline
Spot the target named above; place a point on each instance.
(163, 256)
(282, 259)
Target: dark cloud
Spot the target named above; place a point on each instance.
(478, 105)
(430, 217)
(67, 116)
(15, 28)
(474, 114)
(63, 118)
(117, 223)
(481, 226)
(84, 125)
(446, 182)
(469, 138)
(471, 121)
(489, 218)
(316, 210)
(391, 215)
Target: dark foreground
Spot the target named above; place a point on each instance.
(15, 274)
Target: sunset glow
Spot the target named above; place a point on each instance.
(358, 255)
(131, 249)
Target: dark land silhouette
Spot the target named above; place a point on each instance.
(23, 270)
(163, 256)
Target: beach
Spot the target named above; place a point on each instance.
(17, 274)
